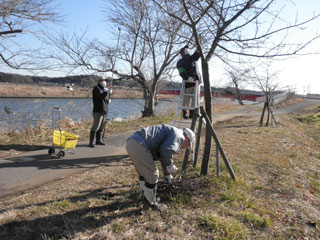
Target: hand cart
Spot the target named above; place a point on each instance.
(63, 140)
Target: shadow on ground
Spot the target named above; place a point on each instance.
(22, 147)
(70, 223)
(53, 162)
(121, 202)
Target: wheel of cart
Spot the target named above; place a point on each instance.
(61, 139)
(60, 154)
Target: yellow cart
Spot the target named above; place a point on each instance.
(61, 139)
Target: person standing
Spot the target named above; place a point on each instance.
(188, 70)
(100, 109)
(153, 143)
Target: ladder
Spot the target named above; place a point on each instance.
(196, 101)
(180, 107)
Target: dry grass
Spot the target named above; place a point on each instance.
(289, 99)
(14, 90)
(276, 194)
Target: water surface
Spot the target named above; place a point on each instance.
(20, 112)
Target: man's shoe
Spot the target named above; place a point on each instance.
(91, 139)
(191, 113)
(157, 206)
(184, 114)
(99, 140)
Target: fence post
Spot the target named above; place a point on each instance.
(218, 144)
(196, 151)
(217, 161)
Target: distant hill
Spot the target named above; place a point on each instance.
(79, 80)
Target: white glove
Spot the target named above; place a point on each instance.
(172, 169)
(190, 79)
(106, 90)
(168, 178)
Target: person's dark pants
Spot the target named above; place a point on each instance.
(99, 122)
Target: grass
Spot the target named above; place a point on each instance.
(275, 196)
(222, 228)
(258, 222)
(13, 90)
(315, 183)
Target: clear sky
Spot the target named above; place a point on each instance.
(82, 14)
(301, 73)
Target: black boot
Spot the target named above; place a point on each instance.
(184, 114)
(99, 140)
(91, 139)
(191, 113)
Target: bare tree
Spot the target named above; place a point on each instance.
(147, 45)
(146, 50)
(238, 77)
(265, 79)
(18, 17)
(225, 28)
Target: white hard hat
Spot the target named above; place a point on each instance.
(190, 134)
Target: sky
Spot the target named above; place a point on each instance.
(301, 73)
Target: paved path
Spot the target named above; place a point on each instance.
(37, 167)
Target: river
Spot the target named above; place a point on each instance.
(21, 112)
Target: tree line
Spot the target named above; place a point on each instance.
(79, 80)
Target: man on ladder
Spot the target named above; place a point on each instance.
(188, 70)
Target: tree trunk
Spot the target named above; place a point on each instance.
(238, 96)
(208, 107)
(268, 116)
(262, 114)
(148, 110)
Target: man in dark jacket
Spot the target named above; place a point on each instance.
(188, 70)
(153, 143)
(100, 109)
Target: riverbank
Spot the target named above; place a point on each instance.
(276, 194)
(15, 141)
(34, 91)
